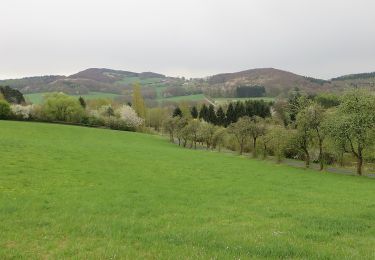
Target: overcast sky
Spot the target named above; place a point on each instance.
(192, 38)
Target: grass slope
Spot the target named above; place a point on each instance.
(84, 193)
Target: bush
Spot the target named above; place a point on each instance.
(60, 107)
(5, 110)
(22, 112)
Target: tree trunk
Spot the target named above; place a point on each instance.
(171, 138)
(241, 148)
(307, 159)
(179, 141)
(254, 147)
(359, 162)
(264, 151)
(321, 164)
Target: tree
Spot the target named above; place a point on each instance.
(257, 129)
(12, 96)
(170, 125)
(194, 112)
(219, 137)
(354, 123)
(211, 115)
(230, 116)
(177, 112)
(130, 117)
(239, 110)
(60, 107)
(181, 131)
(207, 132)
(313, 117)
(192, 130)
(82, 102)
(138, 103)
(241, 130)
(4, 109)
(303, 138)
(203, 113)
(220, 117)
(155, 117)
(280, 138)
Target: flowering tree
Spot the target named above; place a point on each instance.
(130, 116)
(23, 112)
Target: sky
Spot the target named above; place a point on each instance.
(191, 38)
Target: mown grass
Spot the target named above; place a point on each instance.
(37, 98)
(85, 193)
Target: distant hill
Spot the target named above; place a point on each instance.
(93, 79)
(275, 81)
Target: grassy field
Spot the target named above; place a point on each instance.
(85, 193)
(225, 100)
(37, 98)
(197, 97)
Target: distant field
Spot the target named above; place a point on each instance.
(224, 100)
(131, 80)
(196, 97)
(37, 98)
(82, 193)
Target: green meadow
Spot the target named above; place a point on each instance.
(86, 193)
(226, 100)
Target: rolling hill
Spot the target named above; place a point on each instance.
(91, 80)
(275, 82)
(278, 81)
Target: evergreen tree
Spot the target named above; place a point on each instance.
(231, 118)
(138, 102)
(220, 115)
(82, 102)
(211, 115)
(239, 110)
(194, 112)
(177, 112)
(203, 112)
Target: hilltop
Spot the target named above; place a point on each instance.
(89, 80)
(275, 82)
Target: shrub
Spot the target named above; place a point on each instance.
(60, 107)
(131, 118)
(22, 112)
(5, 110)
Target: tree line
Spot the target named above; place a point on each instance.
(300, 128)
(222, 116)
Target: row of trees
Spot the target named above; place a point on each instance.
(313, 132)
(58, 107)
(224, 116)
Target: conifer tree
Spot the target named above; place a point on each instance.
(194, 112)
(177, 112)
(211, 115)
(203, 112)
(231, 117)
(82, 102)
(220, 115)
